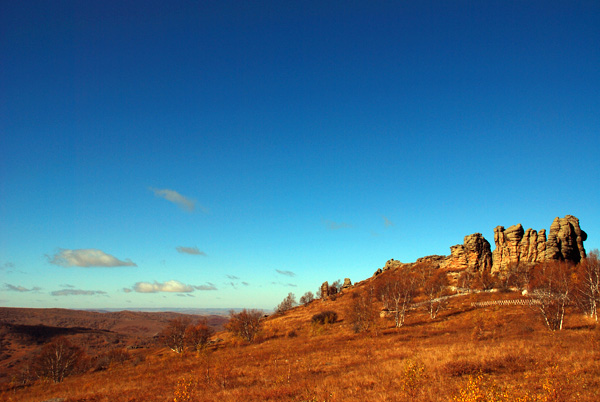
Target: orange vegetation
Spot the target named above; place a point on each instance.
(496, 353)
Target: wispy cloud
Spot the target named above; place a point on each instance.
(181, 201)
(19, 288)
(386, 222)
(291, 285)
(7, 265)
(171, 286)
(87, 258)
(286, 273)
(77, 292)
(208, 286)
(190, 250)
(331, 225)
(232, 277)
(245, 284)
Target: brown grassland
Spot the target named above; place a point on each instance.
(496, 353)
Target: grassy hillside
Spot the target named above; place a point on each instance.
(495, 353)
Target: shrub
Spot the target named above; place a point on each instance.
(325, 317)
(362, 313)
(173, 336)
(246, 324)
(287, 304)
(58, 359)
(197, 336)
(307, 298)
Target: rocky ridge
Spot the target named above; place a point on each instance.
(514, 245)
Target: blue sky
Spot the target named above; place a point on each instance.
(225, 153)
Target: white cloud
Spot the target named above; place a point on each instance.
(190, 250)
(173, 196)
(87, 258)
(77, 292)
(171, 286)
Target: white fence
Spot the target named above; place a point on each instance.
(512, 302)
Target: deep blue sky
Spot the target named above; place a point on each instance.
(225, 153)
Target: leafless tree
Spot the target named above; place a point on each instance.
(246, 324)
(197, 336)
(397, 293)
(58, 359)
(336, 287)
(551, 286)
(173, 336)
(307, 298)
(517, 275)
(588, 284)
(287, 304)
(362, 312)
(435, 288)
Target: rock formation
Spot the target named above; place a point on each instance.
(565, 240)
(347, 283)
(473, 255)
(324, 290)
(515, 246)
(434, 260)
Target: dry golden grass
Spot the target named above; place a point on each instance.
(467, 354)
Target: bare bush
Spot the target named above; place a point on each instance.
(307, 298)
(113, 356)
(397, 293)
(287, 304)
(246, 324)
(197, 336)
(173, 336)
(58, 359)
(335, 287)
(325, 317)
(362, 312)
(588, 284)
(551, 285)
(435, 288)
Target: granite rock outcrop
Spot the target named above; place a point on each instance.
(515, 245)
(474, 255)
(565, 240)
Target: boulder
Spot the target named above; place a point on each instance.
(347, 283)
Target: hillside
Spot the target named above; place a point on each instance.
(441, 328)
(499, 351)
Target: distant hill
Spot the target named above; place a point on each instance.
(23, 330)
